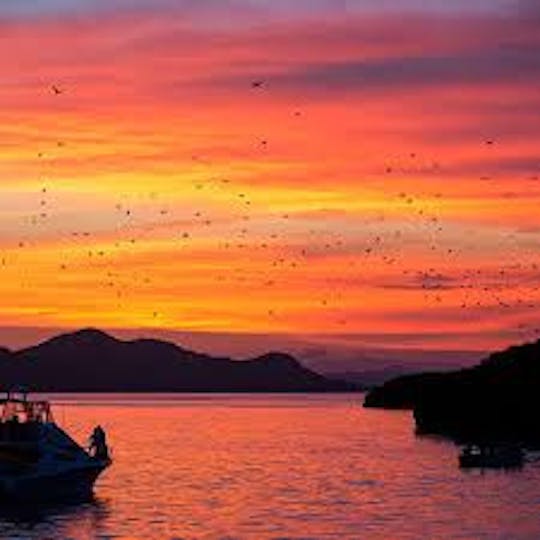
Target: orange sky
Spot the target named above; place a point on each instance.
(381, 188)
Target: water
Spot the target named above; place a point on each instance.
(276, 467)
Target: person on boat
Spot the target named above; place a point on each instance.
(98, 443)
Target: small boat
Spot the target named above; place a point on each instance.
(491, 456)
(38, 460)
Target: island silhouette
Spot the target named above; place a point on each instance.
(495, 401)
(90, 360)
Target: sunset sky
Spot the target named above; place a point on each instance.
(361, 173)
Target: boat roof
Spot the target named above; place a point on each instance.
(17, 395)
(11, 399)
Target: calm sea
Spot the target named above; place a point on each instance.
(276, 467)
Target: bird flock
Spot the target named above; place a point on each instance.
(406, 245)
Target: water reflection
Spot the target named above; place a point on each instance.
(268, 467)
(76, 519)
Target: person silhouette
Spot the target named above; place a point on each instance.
(98, 443)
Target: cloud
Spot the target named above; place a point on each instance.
(149, 85)
(283, 7)
(402, 74)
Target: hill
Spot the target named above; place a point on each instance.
(92, 361)
(374, 378)
(495, 400)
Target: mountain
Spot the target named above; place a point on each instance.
(92, 361)
(376, 366)
(497, 400)
(371, 378)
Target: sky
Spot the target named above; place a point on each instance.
(358, 174)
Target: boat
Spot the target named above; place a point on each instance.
(39, 460)
(488, 456)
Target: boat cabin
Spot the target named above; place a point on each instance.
(20, 418)
(16, 408)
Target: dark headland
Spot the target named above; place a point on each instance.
(92, 361)
(497, 400)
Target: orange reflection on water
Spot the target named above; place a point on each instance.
(258, 467)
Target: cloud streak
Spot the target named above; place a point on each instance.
(388, 153)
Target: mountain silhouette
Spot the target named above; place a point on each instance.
(90, 360)
(497, 400)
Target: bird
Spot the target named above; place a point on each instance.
(257, 84)
(56, 91)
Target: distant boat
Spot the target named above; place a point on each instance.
(38, 460)
(491, 456)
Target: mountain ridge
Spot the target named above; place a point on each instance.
(93, 361)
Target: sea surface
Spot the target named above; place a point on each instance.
(275, 467)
